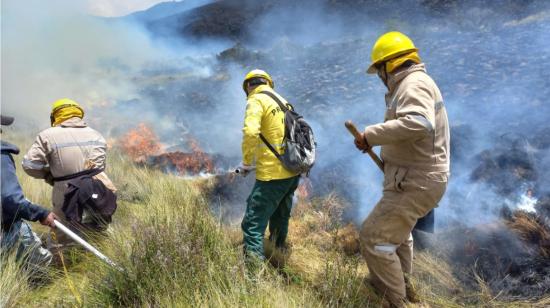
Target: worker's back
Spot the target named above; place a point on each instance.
(259, 105)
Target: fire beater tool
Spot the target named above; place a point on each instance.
(357, 135)
(86, 245)
(425, 223)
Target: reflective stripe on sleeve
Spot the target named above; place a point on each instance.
(420, 118)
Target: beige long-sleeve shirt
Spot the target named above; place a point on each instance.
(415, 132)
(66, 149)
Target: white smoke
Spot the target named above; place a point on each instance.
(55, 49)
(491, 65)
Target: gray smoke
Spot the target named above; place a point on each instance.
(490, 59)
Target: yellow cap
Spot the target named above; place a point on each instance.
(388, 46)
(258, 74)
(62, 103)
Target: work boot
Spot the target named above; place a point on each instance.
(412, 296)
(388, 301)
(254, 264)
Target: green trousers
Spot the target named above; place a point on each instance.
(269, 202)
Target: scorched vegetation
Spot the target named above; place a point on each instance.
(175, 252)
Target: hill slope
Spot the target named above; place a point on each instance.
(176, 253)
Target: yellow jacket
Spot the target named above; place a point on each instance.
(264, 116)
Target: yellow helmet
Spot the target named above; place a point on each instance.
(258, 74)
(62, 103)
(388, 46)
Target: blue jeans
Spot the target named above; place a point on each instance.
(28, 246)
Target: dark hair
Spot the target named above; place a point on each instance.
(407, 63)
(256, 81)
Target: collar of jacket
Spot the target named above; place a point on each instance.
(400, 74)
(9, 148)
(73, 122)
(259, 89)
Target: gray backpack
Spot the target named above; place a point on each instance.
(298, 142)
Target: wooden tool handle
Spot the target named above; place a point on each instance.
(353, 130)
(357, 135)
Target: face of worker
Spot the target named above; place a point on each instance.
(250, 88)
(381, 72)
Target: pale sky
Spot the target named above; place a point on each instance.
(110, 8)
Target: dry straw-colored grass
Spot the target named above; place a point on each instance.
(176, 254)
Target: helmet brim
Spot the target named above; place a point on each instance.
(372, 69)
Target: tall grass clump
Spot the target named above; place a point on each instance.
(14, 283)
(174, 251)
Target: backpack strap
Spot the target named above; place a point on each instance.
(284, 109)
(270, 147)
(90, 172)
(274, 97)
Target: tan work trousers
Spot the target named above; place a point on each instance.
(57, 239)
(386, 240)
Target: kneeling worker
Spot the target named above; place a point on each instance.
(416, 153)
(15, 232)
(271, 198)
(64, 151)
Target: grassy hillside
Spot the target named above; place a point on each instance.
(177, 254)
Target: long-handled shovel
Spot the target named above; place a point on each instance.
(357, 135)
(86, 245)
(425, 223)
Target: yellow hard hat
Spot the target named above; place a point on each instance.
(388, 46)
(62, 103)
(258, 74)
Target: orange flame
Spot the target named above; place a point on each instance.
(140, 143)
(184, 163)
(198, 158)
(143, 146)
(304, 189)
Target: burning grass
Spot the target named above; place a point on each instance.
(143, 146)
(176, 253)
(507, 259)
(140, 143)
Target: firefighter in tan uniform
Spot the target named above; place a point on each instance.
(68, 147)
(415, 150)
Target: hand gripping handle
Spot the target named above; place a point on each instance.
(357, 135)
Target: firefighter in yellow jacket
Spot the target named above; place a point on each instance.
(271, 198)
(416, 154)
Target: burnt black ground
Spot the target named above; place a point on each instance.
(490, 59)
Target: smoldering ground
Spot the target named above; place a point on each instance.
(182, 74)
